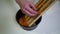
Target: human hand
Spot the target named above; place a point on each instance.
(27, 7)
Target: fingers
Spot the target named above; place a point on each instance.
(33, 7)
(31, 10)
(27, 12)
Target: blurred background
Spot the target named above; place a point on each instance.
(50, 23)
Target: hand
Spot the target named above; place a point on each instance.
(27, 7)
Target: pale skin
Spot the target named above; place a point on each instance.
(27, 7)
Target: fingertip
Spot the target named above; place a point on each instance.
(34, 12)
